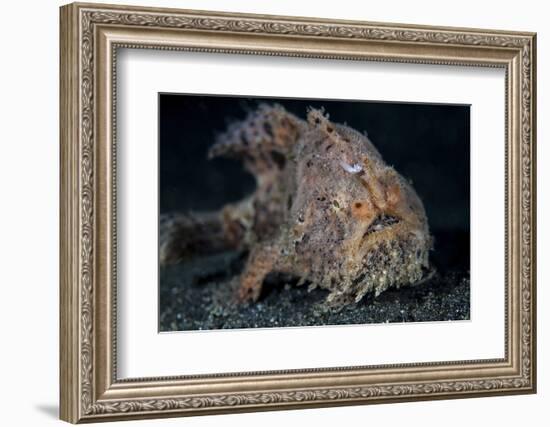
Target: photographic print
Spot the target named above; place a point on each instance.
(281, 212)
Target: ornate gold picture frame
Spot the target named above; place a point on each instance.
(90, 37)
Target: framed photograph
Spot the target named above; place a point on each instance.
(267, 212)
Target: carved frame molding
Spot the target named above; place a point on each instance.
(90, 36)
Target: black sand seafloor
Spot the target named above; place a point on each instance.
(199, 295)
(428, 144)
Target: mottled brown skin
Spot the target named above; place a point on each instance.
(327, 209)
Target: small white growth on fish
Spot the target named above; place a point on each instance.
(355, 168)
